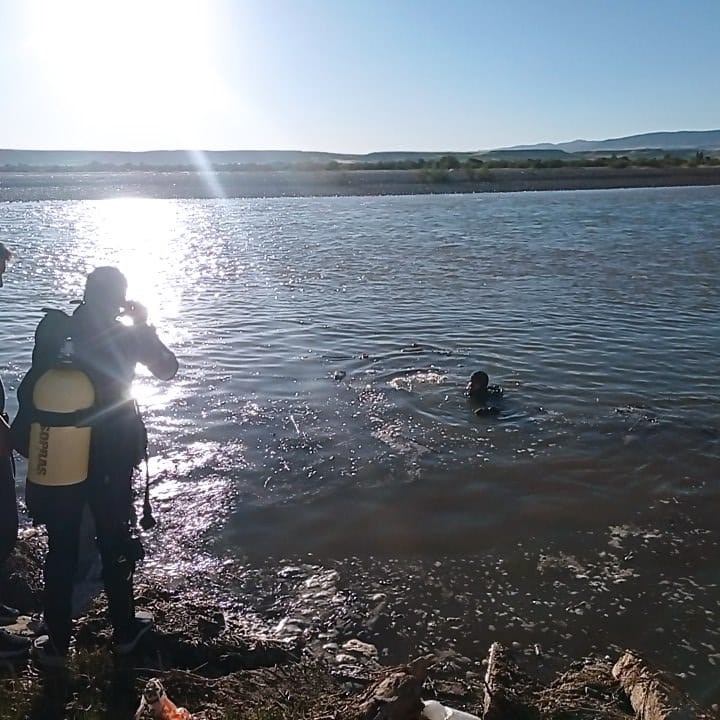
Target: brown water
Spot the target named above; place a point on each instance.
(325, 344)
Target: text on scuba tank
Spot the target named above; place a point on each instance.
(43, 455)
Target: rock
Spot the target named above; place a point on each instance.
(451, 689)
(397, 695)
(23, 625)
(503, 684)
(344, 659)
(653, 695)
(357, 647)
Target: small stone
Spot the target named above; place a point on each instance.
(343, 659)
(357, 647)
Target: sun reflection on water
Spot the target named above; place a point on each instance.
(138, 235)
(142, 237)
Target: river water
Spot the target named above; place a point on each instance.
(318, 424)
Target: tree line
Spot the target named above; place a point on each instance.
(438, 166)
(452, 162)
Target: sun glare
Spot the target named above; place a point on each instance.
(138, 235)
(134, 66)
(142, 237)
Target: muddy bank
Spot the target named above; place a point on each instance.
(289, 183)
(220, 660)
(650, 583)
(228, 623)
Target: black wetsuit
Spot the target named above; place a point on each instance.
(108, 354)
(480, 398)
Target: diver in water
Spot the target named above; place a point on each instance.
(479, 392)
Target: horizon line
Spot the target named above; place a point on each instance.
(370, 152)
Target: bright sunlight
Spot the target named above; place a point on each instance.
(137, 235)
(131, 65)
(140, 236)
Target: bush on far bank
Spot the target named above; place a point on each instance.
(433, 166)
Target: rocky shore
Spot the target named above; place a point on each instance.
(219, 662)
(16, 186)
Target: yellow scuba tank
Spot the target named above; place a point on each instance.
(59, 448)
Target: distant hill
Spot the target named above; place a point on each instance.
(706, 140)
(188, 158)
(655, 144)
(160, 158)
(537, 153)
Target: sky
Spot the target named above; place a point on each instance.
(352, 76)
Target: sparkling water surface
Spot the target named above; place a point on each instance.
(325, 344)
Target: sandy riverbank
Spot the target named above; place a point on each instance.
(288, 183)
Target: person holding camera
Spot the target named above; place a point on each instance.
(106, 350)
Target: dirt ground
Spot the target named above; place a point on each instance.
(221, 664)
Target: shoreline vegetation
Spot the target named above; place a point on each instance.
(435, 178)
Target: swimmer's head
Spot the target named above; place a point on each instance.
(478, 382)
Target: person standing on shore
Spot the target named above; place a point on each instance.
(106, 351)
(11, 646)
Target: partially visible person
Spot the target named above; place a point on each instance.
(480, 393)
(11, 646)
(5, 255)
(106, 351)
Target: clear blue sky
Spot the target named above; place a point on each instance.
(352, 75)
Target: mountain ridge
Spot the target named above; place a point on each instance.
(661, 140)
